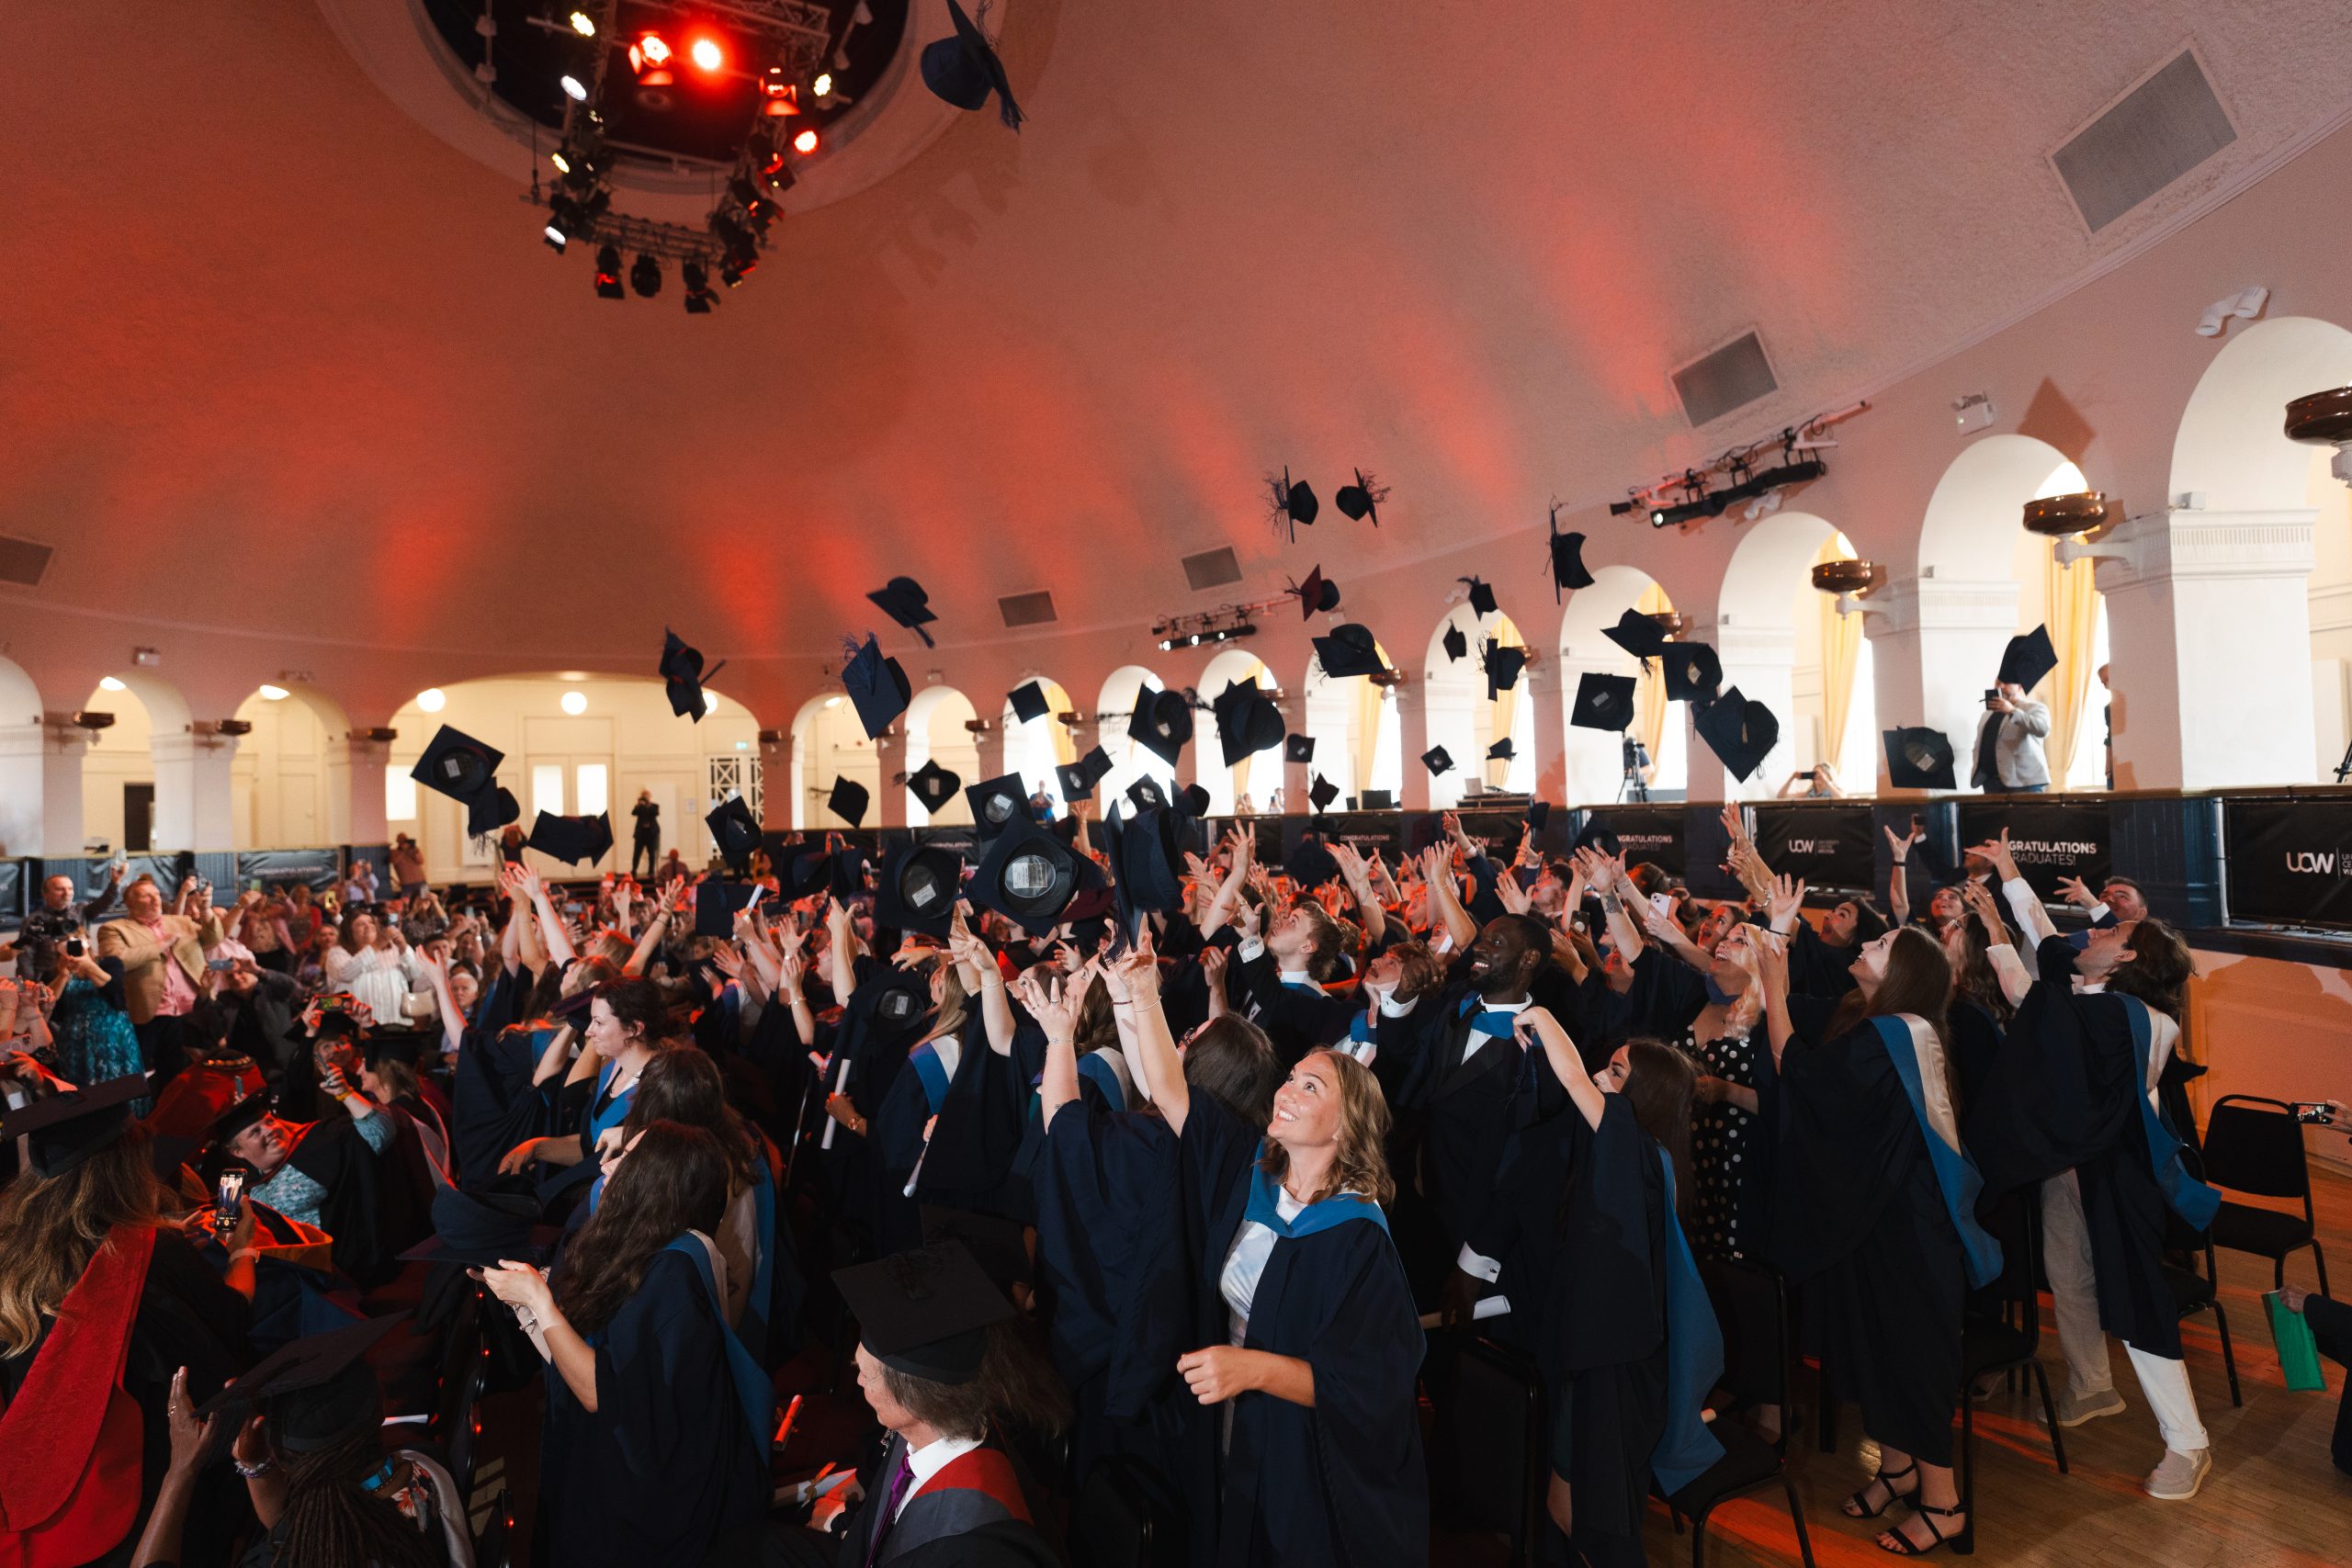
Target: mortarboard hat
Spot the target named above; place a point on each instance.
(1028, 702)
(1298, 749)
(1567, 559)
(1350, 649)
(403, 1045)
(902, 997)
(1598, 835)
(241, 1115)
(1322, 792)
(846, 872)
(1247, 722)
(1315, 593)
(1294, 502)
(1437, 760)
(848, 800)
(934, 785)
(479, 1230)
(919, 888)
(1692, 672)
(1603, 702)
(571, 840)
(734, 829)
(994, 1242)
(1457, 643)
(1501, 750)
(1503, 663)
(1149, 877)
(877, 686)
(1538, 812)
(1162, 723)
(1146, 793)
(1482, 597)
(682, 675)
(903, 599)
(489, 811)
(66, 1129)
(1739, 730)
(808, 874)
(464, 769)
(1078, 779)
(1361, 499)
(717, 903)
(1918, 758)
(2028, 659)
(926, 1313)
(321, 1386)
(1637, 634)
(1312, 863)
(996, 801)
(1194, 800)
(963, 69)
(1028, 875)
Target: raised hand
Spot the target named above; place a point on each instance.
(1514, 898)
(1136, 970)
(2071, 889)
(1786, 899)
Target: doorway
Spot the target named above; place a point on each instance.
(138, 819)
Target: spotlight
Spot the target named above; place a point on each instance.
(646, 277)
(823, 85)
(562, 162)
(806, 142)
(582, 24)
(655, 52)
(695, 277)
(431, 699)
(574, 88)
(608, 274)
(705, 54)
(554, 238)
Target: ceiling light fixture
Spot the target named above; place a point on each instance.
(431, 700)
(275, 693)
(1693, 493)
(575, 703)
(705, 54)
(608, 274)
(108, 684)
(583, 24)
(574, 89)
(805, 143)
(646, 277)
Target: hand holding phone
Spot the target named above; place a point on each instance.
(229, 1202)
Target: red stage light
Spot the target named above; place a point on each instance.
(653, 47)
(706, 54)
(805, 143)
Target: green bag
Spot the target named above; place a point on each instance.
(2298, 1351)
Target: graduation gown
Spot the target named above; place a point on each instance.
(1461, 1095)
(1298, 1019)
(973, 1144)
(1342, 1483)
(969, 1513)
(493, 1103)
(666, 1464)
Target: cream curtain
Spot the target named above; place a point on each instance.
(2070, 609)
(1649, 685)
(1841, 649)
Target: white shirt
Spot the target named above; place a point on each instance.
(929, 1461)
(1246, 1263)
(1478, 1037)
(382, 978)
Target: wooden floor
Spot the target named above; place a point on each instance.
(2273, 1497)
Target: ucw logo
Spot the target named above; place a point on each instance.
(2311, 863)
(1813, 846)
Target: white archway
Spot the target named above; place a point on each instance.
(290, 784)
(829, 743)
(136, 793)
(1262, 773)
(1129, 760)
(1034, 749)
(1457, 713)
(1755, 636)
(1594, 761)
(1358, 743)
(2231, 448)
(935, 732)
(23, 790)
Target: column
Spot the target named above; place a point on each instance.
(1412, 739)
(775, 781)
(1446, 719)
(1935, 649)
(2209, 627)
(193, 809)
(356, 768)
(63, 746)
(22, 795)
(890, 760)
(1761, 661)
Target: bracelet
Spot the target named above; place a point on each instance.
(795, 1000)
(253, 1472)
(1051, 1044)
(241, 1254)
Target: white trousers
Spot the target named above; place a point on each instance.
(2073, 1293)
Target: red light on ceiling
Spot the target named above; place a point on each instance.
(652, 47)
(805, 143)
(706, 53)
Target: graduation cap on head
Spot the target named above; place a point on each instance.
(1503, 663)
(1739, 730)
(241, 1115)
(405, 1046)
(734, 829)
(1247, 722)
(1637, 634)
(67, 1128)
(1361, 500)
(717, 904)
(1294, 502)
(1078, 779)
(1028, 875)
(1457, 643)
(1567, 559)
(1603, 702)
(1482, 595)
(1918, 758)
(2028, 659)
(1350, 649)
(1437, 760)
(996, 801)
(1298, 749)
(934, 785)
(848, 800)
(927, 1313)
(903, 599)
(682, 675)
(1501, 750)
(919, 888)
(1028, 702)
(571, 840)
(963, 69)
(1692, 672)
(466, 770)
(1315, 593)
(877, 686)
(1162, 723)
(1322, 792)
(479, 1230)
(322, 1388)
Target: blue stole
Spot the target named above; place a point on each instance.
(1093, 1070)
(1956, 1174)
(926, 1064)
(612, 1116)
(1488, 1022)
(1694, 1359)
(1317, 1216)
(2187, 1197)
(754, 1389)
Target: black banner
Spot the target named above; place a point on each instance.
(2050, 837)
(2289, 862)
(1830, 847)
(15, 877)
(1652, 833)
(318, 869)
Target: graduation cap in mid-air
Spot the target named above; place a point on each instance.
(1457, 643)
(877, 687)
(918, 890)
(933, 785)
(1162, 723)
(927, 1313)
(1437, 760)
(1739, 730)
(848, 800)
(1482, 597)
(2028, 659)
(67, 1128)
(1029, 875)
(998, 801)
(1078, 779)
(1692, 672)
(963, 69)
(1322, 792)
(682, 675)
(1918, 758)
(1247, 721)
(1567, 559)
(1501, 750)
(1603, 702)
(1317, 592)
(903, 599)
(1146, 793)
(1193, 800)
(1637, 634)
(734, 829)
(1361, 500)
(1298, 749)
(1028, 700)
(571, 840)
(717, 904)
(1350, 649)
(1503, 663)
(466, 770)
(1294, 502)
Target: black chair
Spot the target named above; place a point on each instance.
(1752, 1306)
(2002, 1332)
(2193, 1292)
(2255, 1146)
(1489, 1402)
(1114, 1521)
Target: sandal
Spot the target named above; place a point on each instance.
(1963, 1541)
(1853, 1506)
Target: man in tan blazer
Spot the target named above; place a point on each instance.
(163, 968)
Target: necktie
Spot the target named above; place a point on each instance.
(898, 1485)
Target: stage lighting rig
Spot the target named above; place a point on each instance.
(1735, 477)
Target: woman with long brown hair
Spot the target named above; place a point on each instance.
(1876, 1213)
(656, 1428)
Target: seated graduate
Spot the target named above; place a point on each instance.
(1321, 1348)
(321, 1173)
(658, 1421)
(627, 1021)
(83, 1440)
(946, 1373)
(1876, 1207)
(1627, 1339)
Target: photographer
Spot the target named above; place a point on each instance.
(2009, 759)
